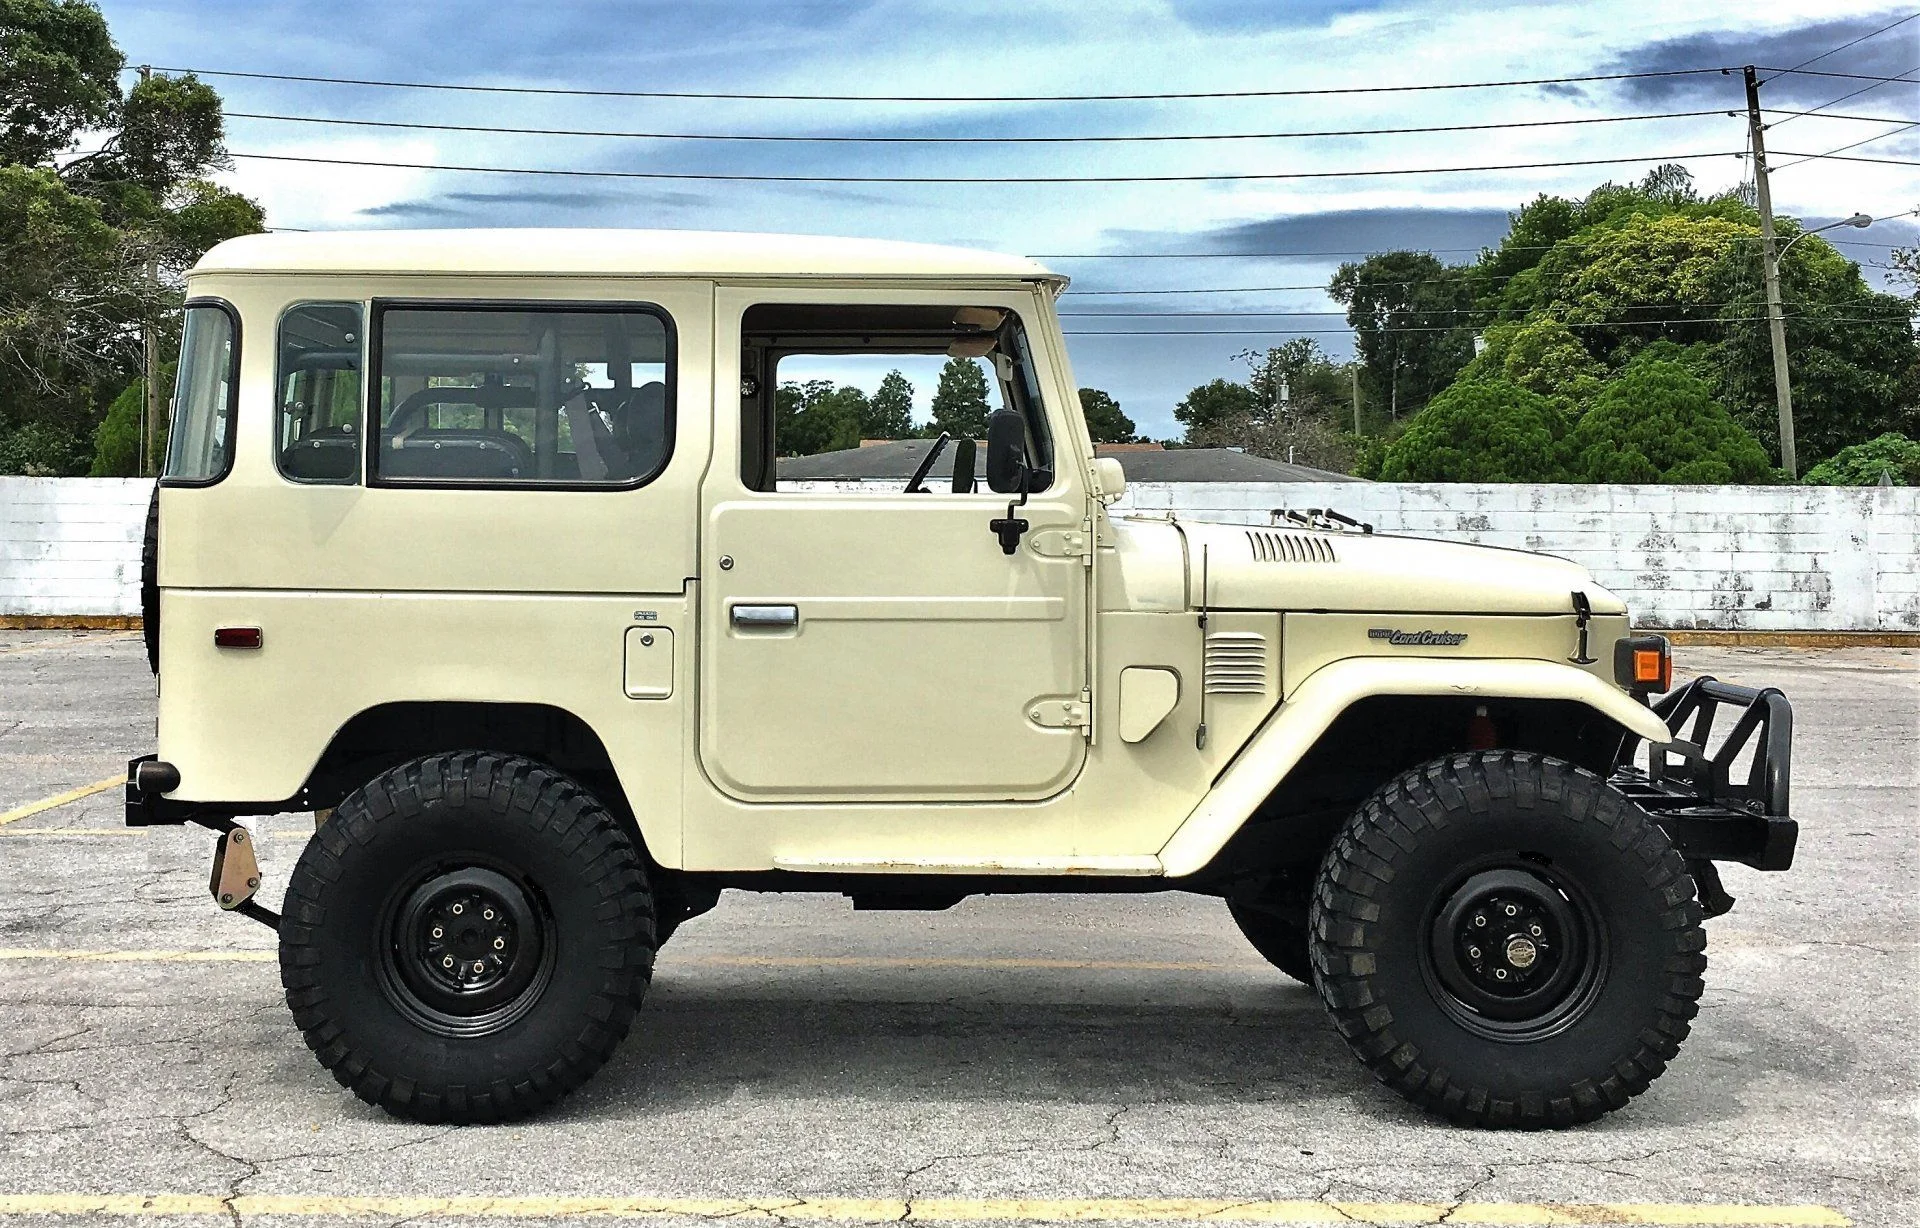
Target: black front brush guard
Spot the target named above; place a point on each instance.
(1709, 808)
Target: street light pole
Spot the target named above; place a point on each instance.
(1770, 271)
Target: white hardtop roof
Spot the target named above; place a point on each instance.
(614, 253)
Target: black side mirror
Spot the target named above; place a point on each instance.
(1007, 452)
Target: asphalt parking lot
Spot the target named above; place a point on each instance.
(1047, 1059)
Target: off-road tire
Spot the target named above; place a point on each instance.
(1280, 940)
(150, 583)
(1374, 918)
(350, 968)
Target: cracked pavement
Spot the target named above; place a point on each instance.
(755, 1074)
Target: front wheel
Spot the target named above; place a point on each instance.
(466, 939)
(1507, 941)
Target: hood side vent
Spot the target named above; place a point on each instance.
(1236, 663)
(1269, 547)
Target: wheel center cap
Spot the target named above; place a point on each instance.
(1521, 952)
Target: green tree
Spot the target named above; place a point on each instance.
(1541, 355)
(69, 290)
(890, 410)
(1411, 317)
(1862, 464)
(1213, 403)
(1658, 422)
(817, 416)
(960, 400)
(1105, 422)
(59, 73)
(92, 255)
(116, 441)
(1487, 430)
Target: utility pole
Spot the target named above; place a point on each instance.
(1770, 270)
(150, 421)
(1354, 371)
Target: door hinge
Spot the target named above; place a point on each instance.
(1063, 544)
(1062, 713)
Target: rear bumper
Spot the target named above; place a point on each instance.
(1730, 803)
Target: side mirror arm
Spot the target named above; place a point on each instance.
(1010, 528)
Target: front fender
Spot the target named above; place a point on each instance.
(1313, 707)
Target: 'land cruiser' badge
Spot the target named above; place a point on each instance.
(1417, 639)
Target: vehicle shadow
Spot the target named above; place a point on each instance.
(697, 1042)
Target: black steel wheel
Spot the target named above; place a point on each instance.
(1507, 941)
(467, 938)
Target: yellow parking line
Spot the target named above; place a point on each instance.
(74, 832)
(61, 799)
(934, 1210)
(230, 955)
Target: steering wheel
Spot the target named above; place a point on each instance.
(926, 466)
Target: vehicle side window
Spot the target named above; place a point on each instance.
(318, 382)
(856, 395)
(513, 395)
(200, 442)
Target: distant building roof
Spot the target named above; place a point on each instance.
(896, 460)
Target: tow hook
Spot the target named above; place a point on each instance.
(236, 874)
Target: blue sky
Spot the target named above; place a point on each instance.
(1038, 47)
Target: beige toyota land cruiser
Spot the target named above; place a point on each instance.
(471, 543)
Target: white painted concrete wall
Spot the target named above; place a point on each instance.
(1763, 558)
(71, 545)
(1743, 557)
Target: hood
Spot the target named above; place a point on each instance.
(1258, 568)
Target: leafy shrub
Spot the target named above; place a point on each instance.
(1657, 422)
(1863, 463)
(1489, 430)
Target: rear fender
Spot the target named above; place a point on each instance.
(1327, 692)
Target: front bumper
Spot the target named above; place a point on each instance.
(1728, 803)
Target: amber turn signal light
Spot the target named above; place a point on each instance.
(236, 637)
(1644, 664)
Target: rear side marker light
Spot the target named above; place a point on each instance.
(236, 637)
(1643, 664)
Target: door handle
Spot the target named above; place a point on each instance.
(765, 615)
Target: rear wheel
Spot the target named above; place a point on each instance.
(1507, 941)
(466, 939)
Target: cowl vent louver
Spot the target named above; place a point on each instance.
(1289, 547)
(1236, 663)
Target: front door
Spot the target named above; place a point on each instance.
(863, 643)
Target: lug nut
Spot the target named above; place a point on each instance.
(488, 914)
(438, 932)
(1534, 930)
(1479, 918)
(1473, 952)
(1500, 973)
(447, 962)
(499, 944)
(457, 908)
(478, 966)
(1512, 911)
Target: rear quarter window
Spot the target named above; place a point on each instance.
(200, 440)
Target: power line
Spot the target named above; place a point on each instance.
(710, 95)
(990, 179)
(1912, 123)
(973, 140)
(1334, 332)
(1838, 76)
(1854, 43)
(1877, 83)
